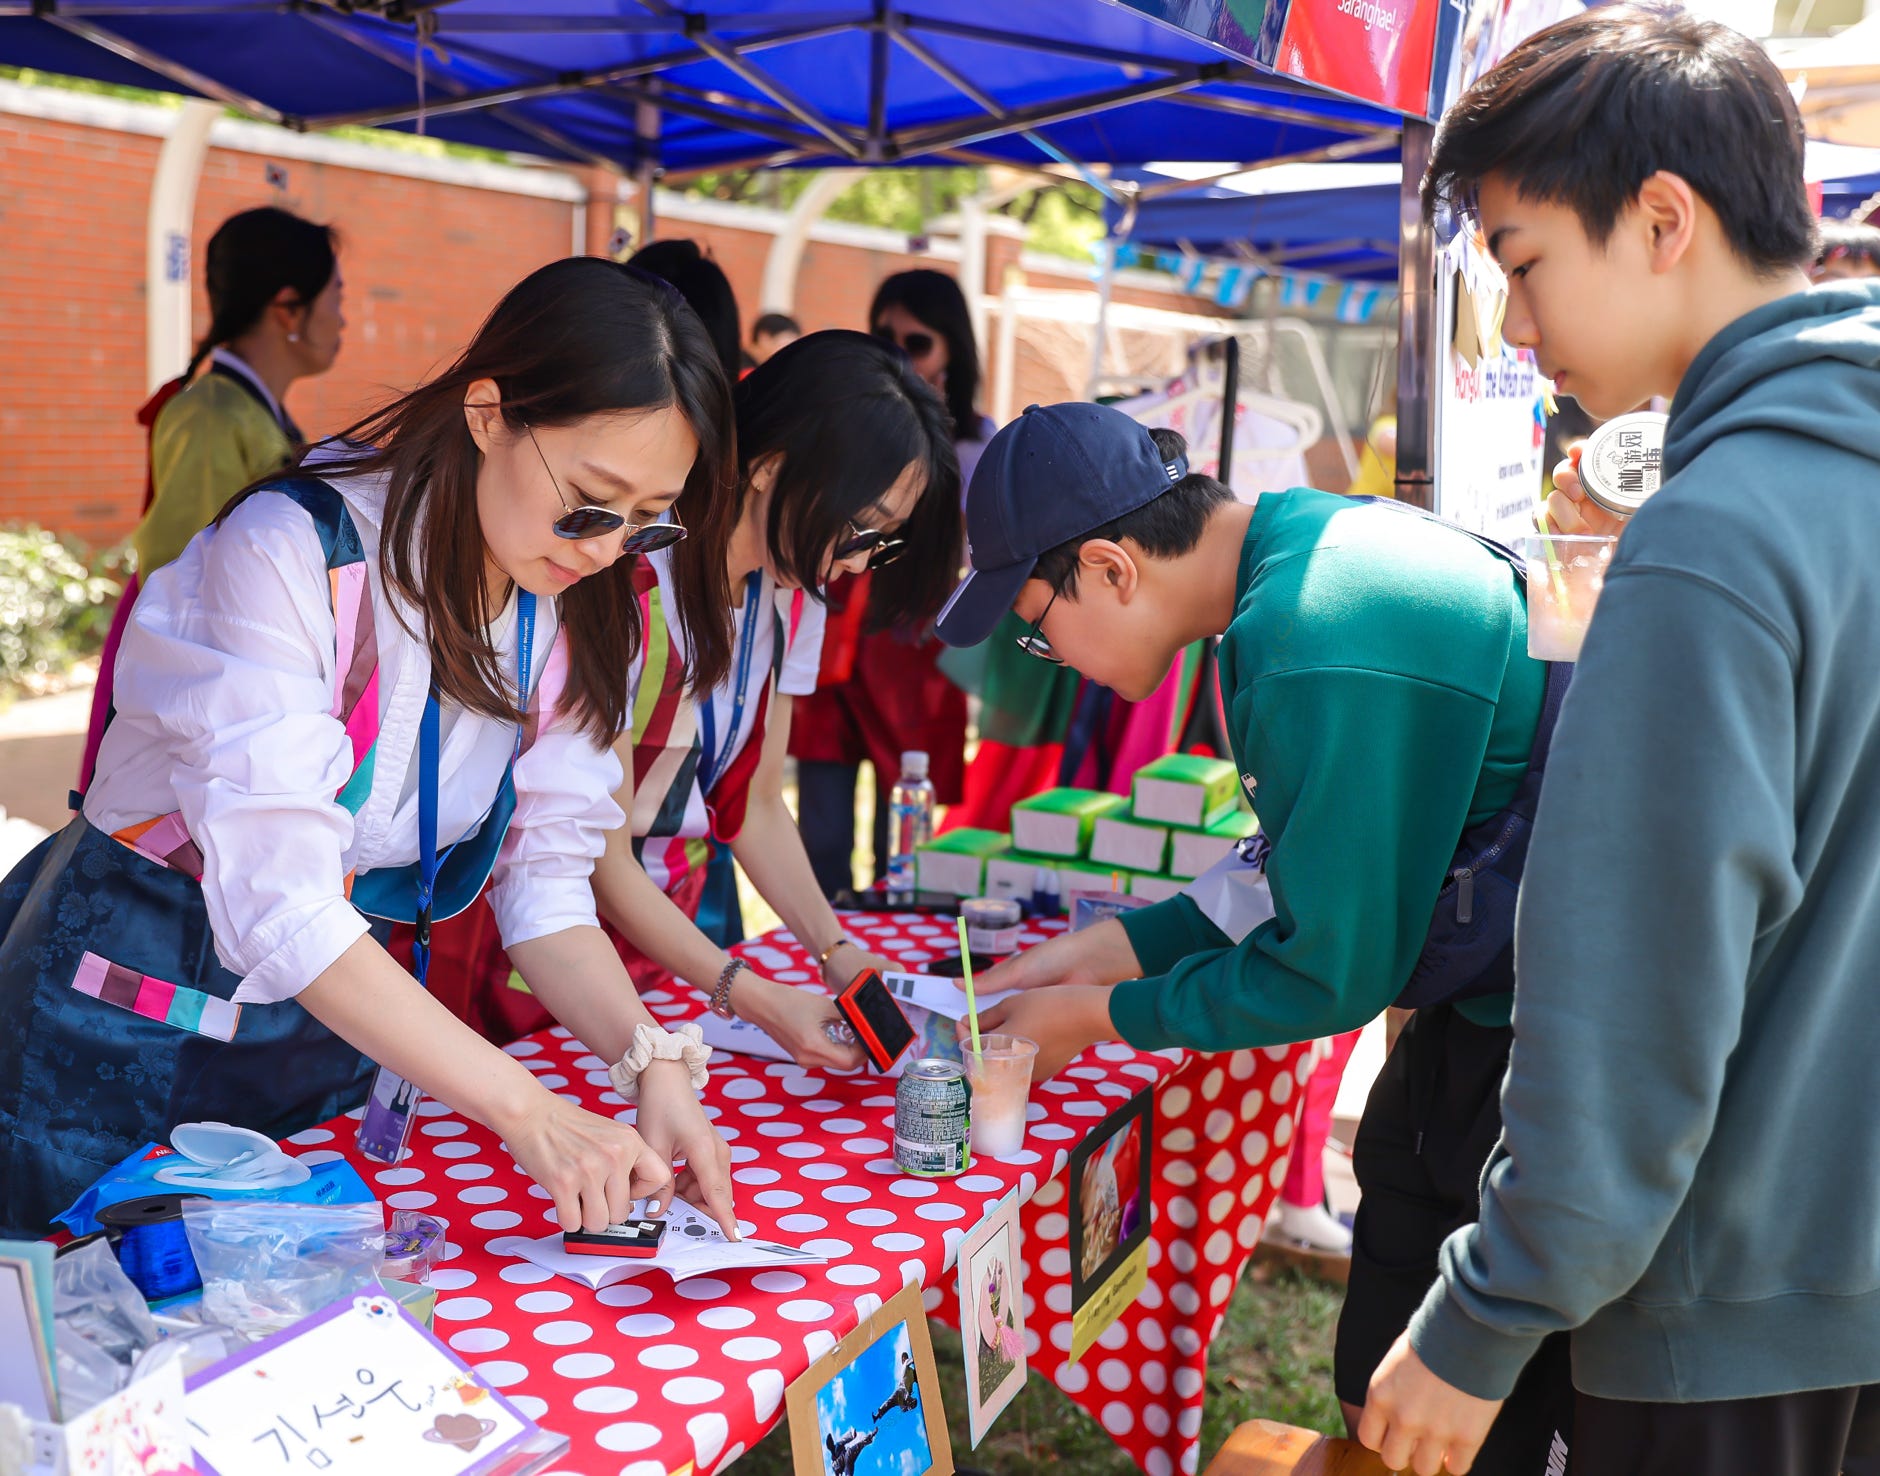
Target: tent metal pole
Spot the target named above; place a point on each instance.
(975, 130)
(561, 84)
(880, 43)
(732, 59)
(1230, 409)
(646, 168)
(1420, 335)
(374, 46)
(1193, 71)
(186, 77)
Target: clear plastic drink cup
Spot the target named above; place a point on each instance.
(1001, 1080)
(1565, 573)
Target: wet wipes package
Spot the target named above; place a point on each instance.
(155, 1168)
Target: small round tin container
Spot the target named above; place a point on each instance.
(991, 924)
(1620, 463)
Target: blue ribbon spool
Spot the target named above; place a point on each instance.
(148, 1236)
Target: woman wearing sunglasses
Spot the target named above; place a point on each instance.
(363, 690)
(882, 690)
(845, 462)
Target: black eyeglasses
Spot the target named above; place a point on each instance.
(877, 543)
(914, 345)
(591, 521)
(1033, 642)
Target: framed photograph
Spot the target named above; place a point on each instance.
(992, 1316)
(871, 1405)
(1109, 1196)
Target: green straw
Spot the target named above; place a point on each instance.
(972, 1009)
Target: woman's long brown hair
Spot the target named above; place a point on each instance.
(579, 337)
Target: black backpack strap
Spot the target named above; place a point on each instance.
(1527, 797)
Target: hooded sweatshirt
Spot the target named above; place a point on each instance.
(1689, 1171)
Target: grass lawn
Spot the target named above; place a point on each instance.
(1272, 1360)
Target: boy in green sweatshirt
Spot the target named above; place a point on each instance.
(1380, 703)
(1689, 1174)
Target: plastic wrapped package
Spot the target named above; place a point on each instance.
(100, 1325)
(266, 1266)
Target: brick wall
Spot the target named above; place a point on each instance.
(424, 259)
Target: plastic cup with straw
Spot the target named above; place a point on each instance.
(1000, 1072)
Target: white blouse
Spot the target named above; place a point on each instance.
(224, 703)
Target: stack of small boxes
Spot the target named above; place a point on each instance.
(1183, 815)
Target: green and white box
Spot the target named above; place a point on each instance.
(1013, 875)
(1185, 789)
(1194, 851)
(1154, 888)
(956, 862)
(1059, 821)
(1084, 876)
(1120, 841)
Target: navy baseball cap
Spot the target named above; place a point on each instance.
(1053, 474)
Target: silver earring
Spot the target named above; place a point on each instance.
(293, 338)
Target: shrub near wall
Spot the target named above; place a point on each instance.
(55, 606)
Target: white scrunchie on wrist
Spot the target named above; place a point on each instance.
(650, 1044)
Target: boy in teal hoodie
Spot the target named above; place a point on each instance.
(1689, 1174)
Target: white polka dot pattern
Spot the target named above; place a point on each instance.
(646, 1377)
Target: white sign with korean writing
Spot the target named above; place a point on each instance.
(360, 1389)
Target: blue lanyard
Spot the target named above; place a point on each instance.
(712, 764)
(429, 862)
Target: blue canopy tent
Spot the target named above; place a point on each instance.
(645, 86)
(1303, 218)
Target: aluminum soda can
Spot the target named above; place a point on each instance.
(1620, 465)
(933, 1119)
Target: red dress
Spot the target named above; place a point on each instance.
(882, 694)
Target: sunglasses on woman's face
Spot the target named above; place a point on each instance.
(880, 547)
(589, 520)
(915, 345)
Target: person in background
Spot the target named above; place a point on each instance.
(769, 333)
(1687, 1180)
(704, 285)
(881, 691)
(1848, 249)
(276, 315)
(416, 646)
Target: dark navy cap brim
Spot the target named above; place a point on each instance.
(981, 602)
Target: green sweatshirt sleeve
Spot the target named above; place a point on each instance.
(1362, 824)
(1165, 933)
(1663, 846)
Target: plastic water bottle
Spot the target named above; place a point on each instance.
(910, 823)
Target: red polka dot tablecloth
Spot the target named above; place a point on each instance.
(649, 1378)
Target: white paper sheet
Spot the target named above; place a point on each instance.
(694, 1246)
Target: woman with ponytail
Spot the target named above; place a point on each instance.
(364, 690)
(275, 317)
(222, 425)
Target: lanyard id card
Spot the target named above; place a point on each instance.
(393, 1102)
